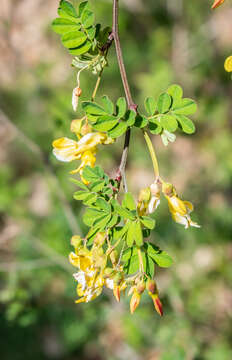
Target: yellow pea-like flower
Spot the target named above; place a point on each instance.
(228, 64)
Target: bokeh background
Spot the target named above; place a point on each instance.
(164, 42)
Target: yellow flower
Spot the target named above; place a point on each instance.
(87, 158)
(89, 286)
(179, 209)
(228, 64)
(66, 149)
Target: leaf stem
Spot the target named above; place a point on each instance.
(152, 153)
(97, 85)
(140, 260)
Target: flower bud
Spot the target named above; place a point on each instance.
(135, 300)
(116, 292)
(168, 189)
(141, 286)
(151, 286)
(157, 303)
(145, 195)
(76, 241)
(155, 190)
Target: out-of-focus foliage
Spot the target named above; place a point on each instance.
(171, 41)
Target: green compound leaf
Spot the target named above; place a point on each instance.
(164, 103)
(105, 123)
(63, 26)
(93, 108)
(113, 221)
(186, 124)
(91, 215)
(103, 205)
(108, 105)
(81, 195)
(93, 174)
(122, 211)
(140, 121)
(73, 39)
(159, 256)
(169, 122)
(90, 199)
(118, 130)
(155, 126)
(184, 107)
(97, 186)
(148, 222)
(79, 184)
(102, 221)
(67, 9)
(119, 232)
(128, 201)
(81, 49)
(150, 106)
(121, 107)
(87, 18)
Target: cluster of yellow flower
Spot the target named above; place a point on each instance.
(94, 274)
(149, 200)
(84, 149)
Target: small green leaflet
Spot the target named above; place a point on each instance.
(164, 103)
(121, 107)
(62, 26)
(73, 39)
(150, 106)
(159, 256)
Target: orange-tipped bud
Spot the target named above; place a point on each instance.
(135, 300)
(157, 303)
(116, 292)
(217, 3)
(151, 286)
(141, 286)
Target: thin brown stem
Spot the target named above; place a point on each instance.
(131, 104)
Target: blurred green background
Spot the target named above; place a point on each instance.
(164, 42)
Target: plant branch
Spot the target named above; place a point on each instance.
(131, 104)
